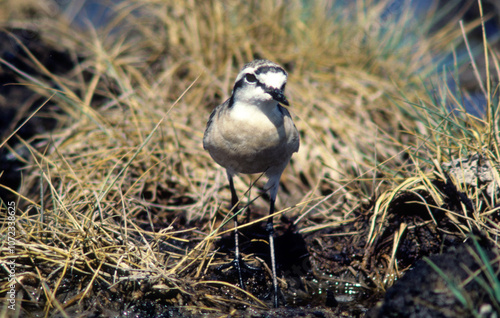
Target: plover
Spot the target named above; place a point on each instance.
(252, 133)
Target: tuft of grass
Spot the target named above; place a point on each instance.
(453, 158)
(491, 284)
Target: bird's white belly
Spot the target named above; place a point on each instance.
(251, 145)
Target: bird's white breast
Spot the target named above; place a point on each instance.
(263, 117)
(250, 140)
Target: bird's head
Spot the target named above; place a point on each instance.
(261, 82)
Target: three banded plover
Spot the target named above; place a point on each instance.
(252, 133)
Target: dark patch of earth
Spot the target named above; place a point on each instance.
(423, 292)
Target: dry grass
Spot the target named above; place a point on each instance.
(122, 194)
(450, 145)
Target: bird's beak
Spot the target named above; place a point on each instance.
(278, 96)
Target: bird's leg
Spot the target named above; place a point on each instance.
(234, 208)
(270, 231)
(237, 263)
(234, 196)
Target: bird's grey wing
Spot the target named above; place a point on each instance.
(211, 119)
(290, 126)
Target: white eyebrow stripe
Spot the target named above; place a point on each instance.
(272, 79)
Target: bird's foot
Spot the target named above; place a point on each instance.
(241, 267)
(276, 296)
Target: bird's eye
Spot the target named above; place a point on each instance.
(251, 78)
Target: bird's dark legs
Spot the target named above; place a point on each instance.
(270, 231)
(234, 207)
(238, 262)
(234, 196)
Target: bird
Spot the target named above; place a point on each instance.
(251, 132)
